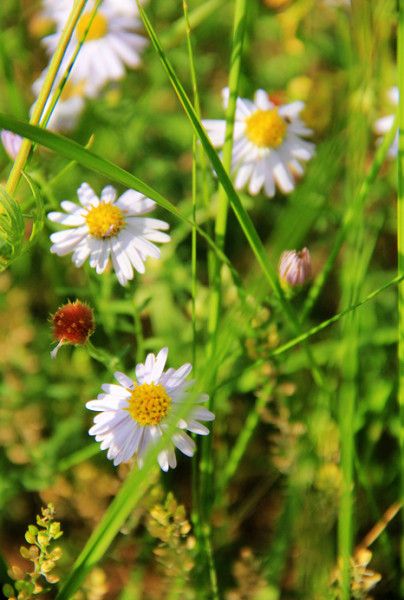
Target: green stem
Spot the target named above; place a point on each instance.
(243, 440)
(195, 516)
(45, 92)
(314, 330)
(78, 457)
(59, 90)
(110, 362)
(400, 250)
(239, 27)
(366, 186)
(206, 464)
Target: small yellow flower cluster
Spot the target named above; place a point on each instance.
(168, 523)
(41, 554)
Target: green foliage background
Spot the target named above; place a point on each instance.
(277, 482)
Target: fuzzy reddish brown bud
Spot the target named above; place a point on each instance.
(72, 323)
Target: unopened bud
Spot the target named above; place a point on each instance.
(11, 142)
(73, 323)
(295, 267)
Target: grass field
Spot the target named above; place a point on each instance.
(247, 129)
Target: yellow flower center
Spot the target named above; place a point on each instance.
(98, 28)
(105, 220)
(149, 404)
(265, 128)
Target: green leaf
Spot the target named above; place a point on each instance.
(11, 229)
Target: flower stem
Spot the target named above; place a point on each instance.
(45, 92)
(239, 26)
(364, 190)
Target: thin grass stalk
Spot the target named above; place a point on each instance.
(400, 251)
(59, 90)
(45, 92)
(242, 441)
(353, 272)
(205, 540)
(314, 330)
(206, 463)
(239, 28)
(374, 169)
(197, 16)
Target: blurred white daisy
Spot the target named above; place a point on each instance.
(134, 413)
(109, 228)
(11, 142)
(69, 106)
(111, 45)
(267, 149)
(383, 125)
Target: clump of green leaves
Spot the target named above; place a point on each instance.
(168, 523)
(41, 553)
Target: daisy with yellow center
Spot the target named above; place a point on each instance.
(268, 148)
(109, 228)
(111, 45)
(133, 414)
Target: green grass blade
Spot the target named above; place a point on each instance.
(243, 218)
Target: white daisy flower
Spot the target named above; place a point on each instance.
(268, 149)
(111, 44)
(109, 228)
(69, 106)
(383, 125)
(134, 413)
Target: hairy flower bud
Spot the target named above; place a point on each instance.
(11, 143)
(295, 267)
(73, 323)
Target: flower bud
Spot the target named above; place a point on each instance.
(11, 142)
(295, 267)
(73, 323)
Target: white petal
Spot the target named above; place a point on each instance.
(123, 380)
(108, 194)
(283, 178)
(216, 130)
(202, 414)
(159, 365)
(108, 403)
(198, 428)
(184, 443)
(384, 124)
(115, 390)
(69, 219)
(262, 100)
(87, 196)
(135, 203)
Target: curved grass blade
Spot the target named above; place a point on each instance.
(75, 152)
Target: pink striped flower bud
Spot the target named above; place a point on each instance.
(11, 142)
(295, 267)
